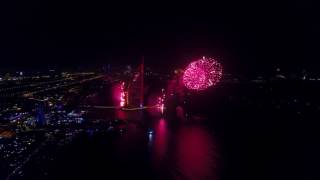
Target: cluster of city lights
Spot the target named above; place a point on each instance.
(202, 74)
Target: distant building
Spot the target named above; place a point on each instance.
(7, 77)
(40, 114)
(135, 91)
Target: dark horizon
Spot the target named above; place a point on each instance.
(246, 37)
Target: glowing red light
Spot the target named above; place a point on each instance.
(160, 103)
(202, 74)
(122, 95)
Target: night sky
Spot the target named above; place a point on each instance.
(246, 37)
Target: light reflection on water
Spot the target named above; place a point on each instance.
(160, 145)
(195, 153)
(177, 148)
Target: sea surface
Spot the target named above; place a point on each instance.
(232, 131)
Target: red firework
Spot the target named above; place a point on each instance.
(202, 74)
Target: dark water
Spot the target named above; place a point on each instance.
(187, 151)
(246, 131)
(176, 148)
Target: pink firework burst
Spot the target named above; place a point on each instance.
(202, 74)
